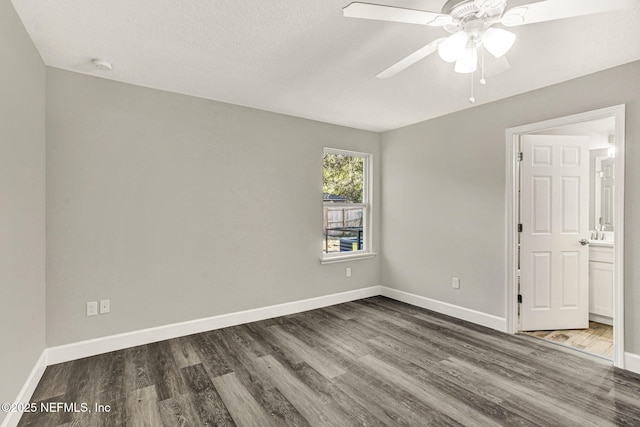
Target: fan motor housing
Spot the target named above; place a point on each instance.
(459, 8)
(472, 15)
(463, 8)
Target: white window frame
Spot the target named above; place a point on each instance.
(366, 205)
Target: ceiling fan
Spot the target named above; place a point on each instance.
(473, 26)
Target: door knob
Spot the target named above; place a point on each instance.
(584, 242)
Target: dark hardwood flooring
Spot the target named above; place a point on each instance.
(372, 362)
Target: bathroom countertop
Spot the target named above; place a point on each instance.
(603, 243)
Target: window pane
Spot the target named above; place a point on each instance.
(343, 178)
(343, 229)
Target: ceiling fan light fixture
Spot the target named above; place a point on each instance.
(451, 48)
(467, 61)
(498, 41)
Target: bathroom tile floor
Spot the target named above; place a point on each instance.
(597, 340)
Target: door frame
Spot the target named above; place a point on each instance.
(512, 140)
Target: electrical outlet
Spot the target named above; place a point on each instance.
(455, 283)
(348, 272)
(105, 306)
(92, 308)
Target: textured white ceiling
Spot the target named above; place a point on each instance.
(305, 59)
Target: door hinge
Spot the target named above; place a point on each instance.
(519, 299)
(519, 228)
(520, 156)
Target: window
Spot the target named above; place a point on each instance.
(346, 204)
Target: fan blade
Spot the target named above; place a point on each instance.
(550, 10)
(389, 13)
(410, 60)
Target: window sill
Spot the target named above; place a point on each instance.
(346, 258)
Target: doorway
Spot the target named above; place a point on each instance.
(607, 228)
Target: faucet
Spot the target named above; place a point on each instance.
(599, 234)
(598, 229)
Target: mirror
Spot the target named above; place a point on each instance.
(603, 200)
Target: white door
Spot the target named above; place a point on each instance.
(554, 213)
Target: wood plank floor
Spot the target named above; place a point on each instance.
(597, 339)
(372, 362)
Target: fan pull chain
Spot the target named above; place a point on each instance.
(472, 99)
(483, 81)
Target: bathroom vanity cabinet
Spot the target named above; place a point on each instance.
(601, 282)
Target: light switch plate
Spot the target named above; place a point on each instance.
(92, 308)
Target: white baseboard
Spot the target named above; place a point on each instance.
(632, 362)
(477, 317)
(64, 353)
(601, 319)
(12, 418)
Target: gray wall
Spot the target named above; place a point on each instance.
(177, 208)
(444, 187)
(22, 204)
